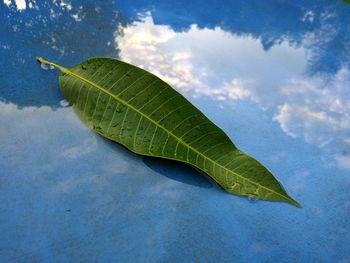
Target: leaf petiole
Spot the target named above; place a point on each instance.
(46, 62)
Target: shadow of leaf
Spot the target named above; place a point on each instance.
(178, 171)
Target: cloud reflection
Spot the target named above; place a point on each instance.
(33, 147)
(225, 66)
(19, 4)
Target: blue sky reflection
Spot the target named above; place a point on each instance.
(274, 75)
(228, 67)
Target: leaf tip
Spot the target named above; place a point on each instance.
(293, 202)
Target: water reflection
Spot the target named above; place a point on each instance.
(297, 67)
(66, 31)
(318, 24)
(287, 58)
(272, 74)
(226, 66)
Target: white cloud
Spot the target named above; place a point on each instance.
(20, 4)
(210, 62)
(298, 121)
(343, 161)
(317, 108)
(87, 146)
(65, 5)
(224, 66)
(36, 128)
(7, 2)
(42, 141)
(73, 183)
(309, 16)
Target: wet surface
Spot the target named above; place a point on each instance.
(274, 75)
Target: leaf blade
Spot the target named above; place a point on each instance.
(150, 118)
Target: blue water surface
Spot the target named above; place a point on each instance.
(274, 74)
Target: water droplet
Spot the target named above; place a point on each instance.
(64, 103)
(44, 66)
(253, 198)
(52, 67)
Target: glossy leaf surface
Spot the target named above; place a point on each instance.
(135, 108)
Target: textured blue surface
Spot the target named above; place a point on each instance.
(273, 74)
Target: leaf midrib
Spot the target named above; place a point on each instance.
(67, 71)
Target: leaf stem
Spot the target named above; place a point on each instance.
(46, 62)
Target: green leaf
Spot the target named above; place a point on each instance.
(135, 108)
